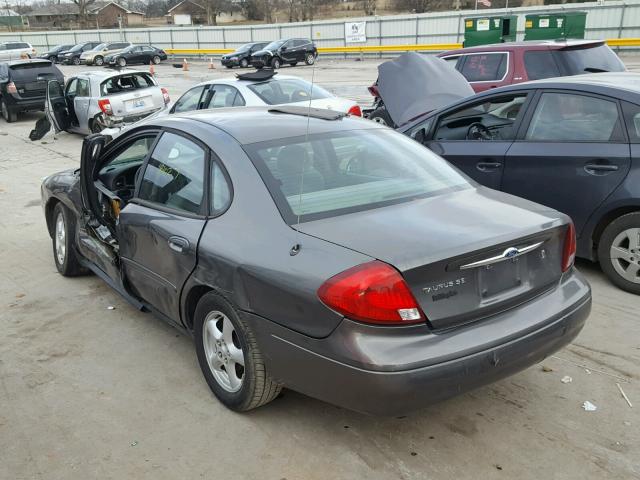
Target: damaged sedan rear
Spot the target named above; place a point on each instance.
(308, 250)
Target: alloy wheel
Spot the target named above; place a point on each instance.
(310, 59)
(223, 351)
(60, 237)
(625, 254)
(156, 60)
(98, 61)
(244, 63)
(76, 61)
(122, 62)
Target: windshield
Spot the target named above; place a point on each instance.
(590, 60)
(274, 45)
(128, 49)
(290, 90)
(325, 175)
(102, 46)
(77, 48)
(244, 48)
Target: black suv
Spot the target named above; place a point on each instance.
(72, 56)
(23, 86)
(242, 55)
(291, 51)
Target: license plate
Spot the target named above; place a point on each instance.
(499, 277)
(138, 104)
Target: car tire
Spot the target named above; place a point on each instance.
(9, 115)
(53, 58)
(95, 126)
(221, 336)
(156, 59)
(122, 62)
(64, 253)
(619, 252)
(244, 63)
(99, 61)
(381, 115)
(310, 59)
(75, 60)
(276, 63)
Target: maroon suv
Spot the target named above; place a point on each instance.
(492, 66)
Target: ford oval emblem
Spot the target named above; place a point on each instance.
(510, 252)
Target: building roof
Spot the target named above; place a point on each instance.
(72, 9)
(185, 1)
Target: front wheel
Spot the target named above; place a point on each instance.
(76, 60)
(156, 59)
(122, 62)
(64, 254)
(381, 115)
(99, 61)
(244, 63)
(9, 115)
(229, 356)
(275, 63)
(310, 59)
(619, 252)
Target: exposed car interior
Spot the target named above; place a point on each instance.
(492, 120)
(126, 83)
(275, 92)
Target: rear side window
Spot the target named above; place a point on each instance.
(540, 64)
(174, 175)
(566, 117)
(189, 101)
(330, 174)
(485, 67)
(125, 83)
(290, 90)
(632, 117)
(220, 190)
(224, 96)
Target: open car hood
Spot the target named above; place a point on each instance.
(414, 84)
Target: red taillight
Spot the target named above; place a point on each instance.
(569, 250)
(11, 88)
(165, 95)
(105, 106)
(373, 292)
(355, 111)
(373, 90)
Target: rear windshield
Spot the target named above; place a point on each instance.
(326, 175)
(126, 83)
(276, 92)
(590, 60)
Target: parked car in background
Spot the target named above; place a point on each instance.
(492, 66)
(241, 56)
(309, 250)
(261, 88)
(92, 101)
(72, 56)
(53, 53)
(136, 54)
(290, 51)
(23, 86)
(571, 143)
(16, 51)
(97, 55)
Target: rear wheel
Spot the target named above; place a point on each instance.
(244, 63)
(99, 61)
(310, 59)
(122, 62)
(619, 252)
(229, 356)
(156, 59)
(76, 60)
(9, 115)
(275, 63)
(96, 126)
(381, 115)
(64, 254)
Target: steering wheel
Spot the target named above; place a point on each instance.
(477, 131)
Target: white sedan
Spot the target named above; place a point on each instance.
(264, 87)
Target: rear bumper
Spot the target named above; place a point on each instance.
(24, 104)
(383, 371)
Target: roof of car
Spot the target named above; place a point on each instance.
(621, 80)
(234, 80)
(102, 74)
(528, 45)
(27, 61)
(258, 124)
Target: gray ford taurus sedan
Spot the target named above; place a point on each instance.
(326, 254)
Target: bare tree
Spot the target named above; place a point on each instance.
(83, 5)
(369, 7)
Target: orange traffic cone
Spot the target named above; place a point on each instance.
(152, 69)
(185, 65)
(211, 65)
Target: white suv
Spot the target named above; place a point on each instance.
(15, 51)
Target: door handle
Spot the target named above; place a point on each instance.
(486, 166)
(178, 244)
(600, 167)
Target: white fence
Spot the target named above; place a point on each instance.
(610, 19)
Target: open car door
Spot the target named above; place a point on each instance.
(56, 108)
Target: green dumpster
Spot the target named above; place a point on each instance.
(555, 26)
(486, 30)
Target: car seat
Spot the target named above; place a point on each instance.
(292, 161)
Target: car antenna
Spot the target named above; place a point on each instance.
(296, 248)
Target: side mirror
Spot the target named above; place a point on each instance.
(283, 48)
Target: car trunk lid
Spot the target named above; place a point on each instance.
(464, 256)
(132, 94)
